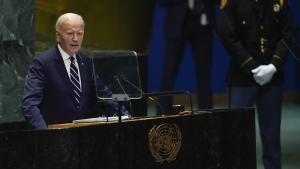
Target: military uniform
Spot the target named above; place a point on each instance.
(255, 33)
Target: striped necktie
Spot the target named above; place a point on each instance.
(74, 77)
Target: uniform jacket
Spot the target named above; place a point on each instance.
(255, 34)
(48, 94)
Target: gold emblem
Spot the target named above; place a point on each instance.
(276, 7)
(165, 142)
(223, 4)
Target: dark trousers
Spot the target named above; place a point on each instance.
(268, 101)
(201, 40)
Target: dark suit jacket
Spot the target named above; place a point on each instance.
(176, 13)
(48, 95)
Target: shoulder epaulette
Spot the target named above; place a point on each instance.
(282, 2)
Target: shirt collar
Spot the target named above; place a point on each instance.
(64, 54)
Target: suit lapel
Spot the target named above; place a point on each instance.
(60, 66)
(64, 74)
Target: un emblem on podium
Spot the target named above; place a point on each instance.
(165, 142)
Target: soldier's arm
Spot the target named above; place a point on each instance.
(231, 40)
(280, 53)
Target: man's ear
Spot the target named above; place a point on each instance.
(57, 36)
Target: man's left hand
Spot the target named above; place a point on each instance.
(264, 73)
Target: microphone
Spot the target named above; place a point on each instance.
(166, 93)
(120, 97)
(143, 93)
(116, 97)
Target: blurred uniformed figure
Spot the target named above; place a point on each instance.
(254, 33)
(189, 22)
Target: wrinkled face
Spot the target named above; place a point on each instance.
(70, 35)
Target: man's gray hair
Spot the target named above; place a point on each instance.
(67, 16)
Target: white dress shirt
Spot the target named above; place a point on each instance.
(67, 62)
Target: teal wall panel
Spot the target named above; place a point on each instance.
(16, 52)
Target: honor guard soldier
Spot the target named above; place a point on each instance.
(255, 33)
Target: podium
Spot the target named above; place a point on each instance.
(211, 139)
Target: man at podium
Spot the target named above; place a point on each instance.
(60, 86)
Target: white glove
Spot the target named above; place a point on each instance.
(263, 73)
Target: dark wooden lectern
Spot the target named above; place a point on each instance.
(213, 139)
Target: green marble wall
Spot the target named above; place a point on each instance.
(16, 52)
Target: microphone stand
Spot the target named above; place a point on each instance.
(120, 98)
(164, 93)
(170, 93)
